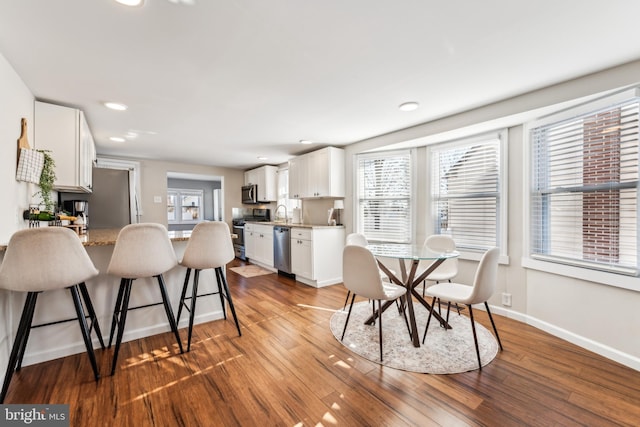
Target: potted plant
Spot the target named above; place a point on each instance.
(47, 178)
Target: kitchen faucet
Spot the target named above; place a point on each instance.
(286, 219)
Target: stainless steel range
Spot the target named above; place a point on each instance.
(240, 216)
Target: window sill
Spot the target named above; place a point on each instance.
(600, 277)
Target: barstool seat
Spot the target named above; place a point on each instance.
(44, 259)
(209, 246)
(141, 250)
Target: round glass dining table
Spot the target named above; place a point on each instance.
(408, 279)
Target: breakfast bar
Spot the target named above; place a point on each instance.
(63, 339)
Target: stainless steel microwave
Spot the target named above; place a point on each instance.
(250, 194)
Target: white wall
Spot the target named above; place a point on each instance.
(16, 102)
(602, 318)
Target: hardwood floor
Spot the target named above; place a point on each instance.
(288, 370)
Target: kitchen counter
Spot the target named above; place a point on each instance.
(103, 288)
(285, 224)
(108, 236)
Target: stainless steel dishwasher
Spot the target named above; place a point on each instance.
(282, 248)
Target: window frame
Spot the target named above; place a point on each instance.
(501, 238)
(412, 193)
(179, 192)
(608, 277)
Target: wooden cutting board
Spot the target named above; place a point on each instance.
(23, 142)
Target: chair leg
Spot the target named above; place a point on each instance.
(353, 297)
(21, 335)
(122, 318)
(346, 300)
(229, 299)
(23, 347)
(92, 313)
(380, 326)
(116, 310)
(192, 311)
(86, 336)
(424, 337)
(220, 294)
(475, 337)
(167, 307)
(493, 324)
(183, 295)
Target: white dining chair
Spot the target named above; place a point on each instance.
(484, 285)
(359, 239)
(445, 271)
(361, 277)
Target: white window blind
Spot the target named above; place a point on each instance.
(384, 188)
(465, 191)
(584, 198)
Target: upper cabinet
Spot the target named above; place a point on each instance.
(64, 132)
(317, 174)
(265, 177)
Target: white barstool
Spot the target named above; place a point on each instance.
(209, 246)
(45, 259)
(141, 250)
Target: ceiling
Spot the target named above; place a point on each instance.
(222, 82)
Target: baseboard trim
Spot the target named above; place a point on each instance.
(586, 343)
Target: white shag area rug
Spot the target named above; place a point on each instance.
(444, 351)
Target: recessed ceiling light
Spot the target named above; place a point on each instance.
(408, 106)
(117, 139)
(262, 158)
(131, 2)
(115, 106)
(305, 141)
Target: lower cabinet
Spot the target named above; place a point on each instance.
(258, 241)
(316, 255)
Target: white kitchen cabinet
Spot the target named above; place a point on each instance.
(317, 174)
(265, 177)
(298, 177)
(64, 131)
(316, 255)
(258, 244)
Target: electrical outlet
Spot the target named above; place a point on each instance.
(506, 299)
(157, 199)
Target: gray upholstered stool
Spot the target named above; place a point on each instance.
(45, 259)
(141, 250)
(209, 246)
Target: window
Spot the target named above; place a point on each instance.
(466, 190)
(584, 195)
(384, 189)
(184, 206)
(283, 194)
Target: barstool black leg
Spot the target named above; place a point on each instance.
(192, 311)
(117, 309)
(122, 318)
(218, 272)
(84, 329)
(23, 327)
(23, 347)
(167, 308)
(229, 299)
(183, 295)
(92, 313)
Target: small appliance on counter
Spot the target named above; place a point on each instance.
(296, 217)
(79, 209)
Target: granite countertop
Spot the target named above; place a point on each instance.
(294, 225)
(108, 236)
